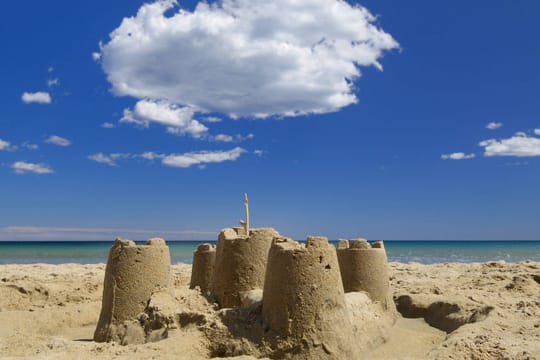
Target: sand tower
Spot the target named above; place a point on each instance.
(303, 301)
(202, 272)
(240, 263)
(364, 267)
(132, 274)
(241, 257)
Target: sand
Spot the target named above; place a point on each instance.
(452, 311)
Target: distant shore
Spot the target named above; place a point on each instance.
(423, 251)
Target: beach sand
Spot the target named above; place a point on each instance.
(452, 311)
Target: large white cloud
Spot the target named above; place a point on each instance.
(40, 97)
(22, 167)
(519, 145)
(244, 58)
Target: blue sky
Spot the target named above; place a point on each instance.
(402, 153)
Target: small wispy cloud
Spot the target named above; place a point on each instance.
(107, 125)
(110, 159)
(57, 140)
(21, 167)
(258, 152)
(202, 157)
(519, 145)
(29, 146)
(40, 97)
(53, 82)
(537, 131)
(185, 160)
(231, 139)
(211, 119)
(7, 146)
(96, 56)
(457, 156)
(494, 125)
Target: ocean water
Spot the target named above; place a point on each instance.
(426, 252)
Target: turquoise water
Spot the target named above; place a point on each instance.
(426, 252)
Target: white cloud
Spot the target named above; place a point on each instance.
(21, 167)
(537, 131)
(39, 97)
(494, 125)
(230, 138)
(96, 56)
(224, 138)
(102, 159)
(457, 156)
(107, 125)
(519, 145)
(57, 140)
(30, 146)
(5, 145)
(201, 158)
(258, 152)
(185, 160)
(244, 58)
(50, 69)
(53, 82)
(108, 159)
(178, 119)
(149, 155)
(211, 119)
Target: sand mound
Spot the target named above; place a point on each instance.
(60, 325)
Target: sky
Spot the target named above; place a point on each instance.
(396, 120)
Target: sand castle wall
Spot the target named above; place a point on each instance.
(240, 263)
(132, 274)
(364, 267)
(304, 303)
(202, 272)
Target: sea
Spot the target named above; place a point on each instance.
(425, 252)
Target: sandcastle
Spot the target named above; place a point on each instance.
(364, 267)
(303, 300)
(133, 274)
(276, 297)
(202, 271)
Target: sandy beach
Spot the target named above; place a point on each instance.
(450, 311)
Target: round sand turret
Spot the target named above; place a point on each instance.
(202, 272)
(303, 302)
(132, 274)
(365, 268)
(240, 263)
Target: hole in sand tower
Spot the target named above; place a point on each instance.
(328, 267)
(320, 259)
(536, 278)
